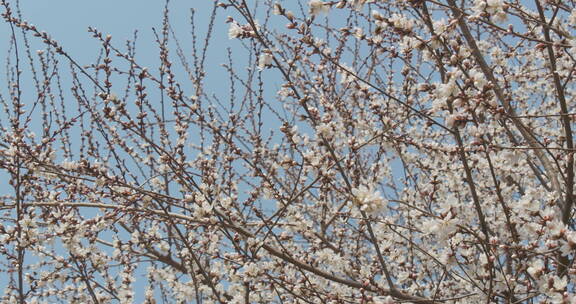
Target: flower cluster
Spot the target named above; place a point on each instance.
(368, 200)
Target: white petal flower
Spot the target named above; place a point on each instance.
(450, 120)
(569, 244)
(69, 165)
(317, 7)
(265, 60)
(446, 89)
(368, 200)
(560, 283)
(251, 269)
(494, 4)
(536, 269)
(234, 31)
(324, 130)
(384, 300)
(376, 15)
(479, 79)
(277, 10)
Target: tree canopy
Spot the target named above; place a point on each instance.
(360, 151)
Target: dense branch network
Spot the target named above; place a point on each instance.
(366, 151)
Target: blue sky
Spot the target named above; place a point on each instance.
(67, 21)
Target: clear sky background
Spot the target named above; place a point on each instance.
(67, 21)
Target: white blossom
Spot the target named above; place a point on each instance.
(318, 6)
(368, 200)
(234, 31)
(265, 60)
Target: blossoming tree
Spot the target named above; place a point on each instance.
(383, 151)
